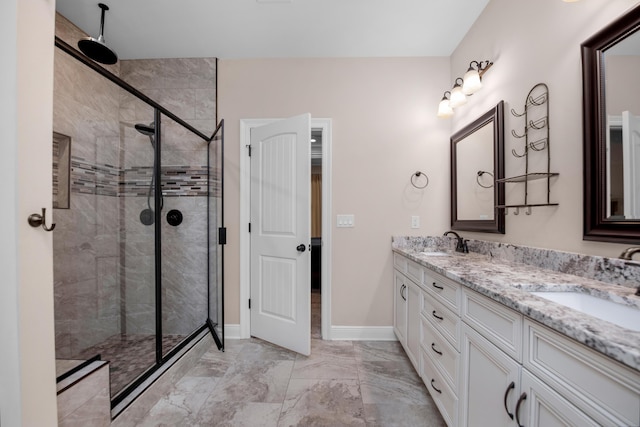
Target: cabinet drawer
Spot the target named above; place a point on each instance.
(444, 290)
(499, 324)
(445, 358)
(400, 263)
(444, 398)
(414, 271)
(604, 389)
(444, 320)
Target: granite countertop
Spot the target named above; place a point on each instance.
(509, 283)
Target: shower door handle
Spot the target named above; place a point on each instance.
(301, 248)
(37, 220)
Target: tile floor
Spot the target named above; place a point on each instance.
(342, 383)
(129, 356)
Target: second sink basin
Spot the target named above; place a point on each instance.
(619, 314)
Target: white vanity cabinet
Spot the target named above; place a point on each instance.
(407, 306)
(485, 364)
(440, 343)
(400, 307)
(490, 383)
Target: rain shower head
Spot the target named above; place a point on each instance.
(96, 49)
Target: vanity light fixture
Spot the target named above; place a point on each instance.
(444, 108)
(463, 87)
(458, 98)
(472, 78)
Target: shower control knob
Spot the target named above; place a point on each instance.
(301, 248)
(174, 217)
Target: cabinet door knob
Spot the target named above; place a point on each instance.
(506, 394)
(523, 396)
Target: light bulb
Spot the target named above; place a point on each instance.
(457, 97)
(444, 108)
(472, 82)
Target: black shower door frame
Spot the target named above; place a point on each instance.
(218, 134)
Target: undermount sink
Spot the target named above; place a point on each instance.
(434, 253)
(619, 314)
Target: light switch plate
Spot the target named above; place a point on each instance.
(344, 221)
(415, 221)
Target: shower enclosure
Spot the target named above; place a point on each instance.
(138, 242)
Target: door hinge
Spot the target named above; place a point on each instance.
(249, 149)
(222, 236)
(249, 227)
(249, 303)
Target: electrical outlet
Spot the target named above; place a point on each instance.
(415, 221)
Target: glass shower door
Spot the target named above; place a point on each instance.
(184, 242)
(217, 235)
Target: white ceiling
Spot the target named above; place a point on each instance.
(138, 29)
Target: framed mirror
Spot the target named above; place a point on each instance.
(477, 160)
(611, 131)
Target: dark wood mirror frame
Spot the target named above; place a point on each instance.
(495, 225)
(596, 225)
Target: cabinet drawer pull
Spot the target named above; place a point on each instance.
(436, 286)
(434, 387)
(436, 316)
(523, 396)
(506, 394)
(433, 347)
(402, 288)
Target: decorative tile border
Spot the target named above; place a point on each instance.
(107, 180)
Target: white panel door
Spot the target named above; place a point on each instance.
(631, 165)
(280, 233)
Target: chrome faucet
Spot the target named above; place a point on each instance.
(627, 254)
(461, 244)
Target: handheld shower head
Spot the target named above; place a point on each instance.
(148, 130)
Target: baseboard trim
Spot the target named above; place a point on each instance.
(338, 333)
(363, 333)
(232, 332)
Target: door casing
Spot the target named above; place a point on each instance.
(245, 238)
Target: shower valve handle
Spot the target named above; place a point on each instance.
(37, 220)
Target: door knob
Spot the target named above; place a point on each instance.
(37, 220)
(301, 248)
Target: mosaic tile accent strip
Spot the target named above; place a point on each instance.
(91, 178)
(108, 180)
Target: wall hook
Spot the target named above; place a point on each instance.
(37, 220)
(415, 177)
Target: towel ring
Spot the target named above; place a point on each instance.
(416, 176)
(480, 173)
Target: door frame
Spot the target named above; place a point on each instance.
(245, 238)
